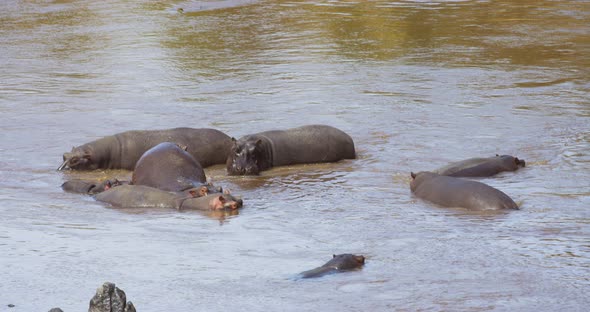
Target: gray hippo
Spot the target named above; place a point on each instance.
(141, 196)
(481, 167)
(456, 192)
(168, 167)
(308, 144)
(123, 150)
(338, 263)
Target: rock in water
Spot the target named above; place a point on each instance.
(109, 298)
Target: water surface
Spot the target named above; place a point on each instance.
(417, 84)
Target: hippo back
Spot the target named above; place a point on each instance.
(309, 144)
(138, 196)
(168, 167)
(456, 192)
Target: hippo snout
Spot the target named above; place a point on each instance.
(244, 170)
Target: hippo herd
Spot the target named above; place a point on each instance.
(168, 171)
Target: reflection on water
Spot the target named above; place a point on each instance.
(417, 84)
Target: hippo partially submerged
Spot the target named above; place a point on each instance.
(123, 150)
(338, 263)
(90, 187)
(168, 167)
(141, 196)
(308, 144)
(481, 167)
(456, 192)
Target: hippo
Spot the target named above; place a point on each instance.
(168, 167)
(89, 187)
(338, 263)
(123, 150)
(481, 167)
(456, 192)
(308, 144)
(141, 196)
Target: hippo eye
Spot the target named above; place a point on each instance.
(74, 160)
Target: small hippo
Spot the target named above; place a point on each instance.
(338, 263)
(308, 144)
(456, 192)
(481, 167)
(123, 150)
(168, 167)
(141, 196)
(88, 187)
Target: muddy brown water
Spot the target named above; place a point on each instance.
(417, 84)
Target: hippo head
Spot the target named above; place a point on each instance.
(78, 158)
(225, 201)
(200, 191)
(203, 190)
(346, 261)
(243, 157)
(513, 163)
(519, 162)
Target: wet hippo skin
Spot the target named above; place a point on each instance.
(123, 150)
(338, 263)
(168, 167)
(482, 167)
(308, 144)
(457, 192)
(141, 196)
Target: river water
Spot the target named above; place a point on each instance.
(417, 84)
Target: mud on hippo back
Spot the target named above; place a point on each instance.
(308, 144)
(123, 150)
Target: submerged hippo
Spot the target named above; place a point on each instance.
(89, 187)
(308, 144)
(338, 263)
(141, 196)
(123, 150)
(482, 167)
(456, 192)
(168, 167)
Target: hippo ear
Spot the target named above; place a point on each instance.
(258, 142)
(333, 256)
(221, 199)
(413, 175)
(233, 140)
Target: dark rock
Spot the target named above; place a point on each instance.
(109, 298)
